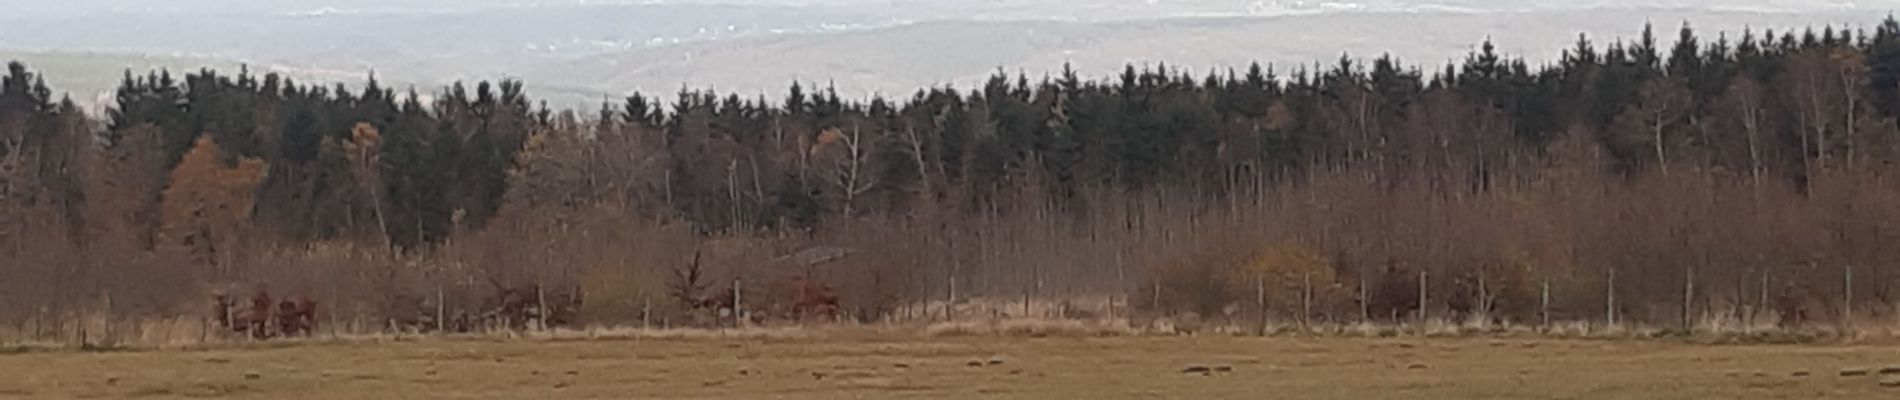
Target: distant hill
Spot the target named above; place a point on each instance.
(574, 57)
(90, 77)
(898, 60)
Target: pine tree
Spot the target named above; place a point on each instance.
(1883, 66)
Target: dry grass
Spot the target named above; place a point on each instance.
(1008, 307)
(823, 364)
(1034, 328)
(191, 333)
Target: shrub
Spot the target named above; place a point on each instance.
(1296, 278)
(1225, 278)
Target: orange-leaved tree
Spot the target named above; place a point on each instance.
(207, 205)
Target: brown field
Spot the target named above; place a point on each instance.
(913, 366)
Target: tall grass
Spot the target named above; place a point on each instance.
(100, 334)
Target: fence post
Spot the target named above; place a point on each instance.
(1365, 302)
(336, 307)
(950, 308)
(1157, 297)
(441, 309)
(1306, 300)
(1121, 284)
(106, 338)
(1038, 292)
(230, 319)
(1847, 307)
(541, 301)
(1762, 306)
(1688, 296)
(1484, 295)
(1422, 307)
(646, 312)
(1544, 304)
(1260, 300)
(1609, 307)
(1025, 303)
(738, 308)
(79, 325)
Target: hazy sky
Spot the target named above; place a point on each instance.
(82, 7)
(580, 55)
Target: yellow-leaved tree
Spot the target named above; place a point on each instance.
(1294, 279)
(206, 206)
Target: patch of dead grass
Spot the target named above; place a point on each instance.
(1033, 328)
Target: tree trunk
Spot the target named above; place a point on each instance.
(1656, 131)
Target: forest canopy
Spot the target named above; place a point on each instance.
(1715, 170)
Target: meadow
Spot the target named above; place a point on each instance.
(890, 365)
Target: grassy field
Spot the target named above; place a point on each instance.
(900, 366)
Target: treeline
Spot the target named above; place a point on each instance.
(1736, 177)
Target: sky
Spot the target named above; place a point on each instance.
(579, 51)
(85, 7)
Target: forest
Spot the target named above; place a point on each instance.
(1739, 180)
